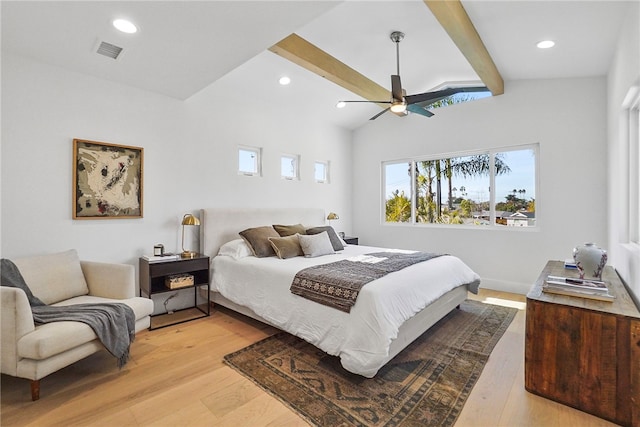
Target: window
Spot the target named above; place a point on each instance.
(250, 161)
(321, 172)
(632, 113)
(289, 166)
(456, 190)
(466, 94)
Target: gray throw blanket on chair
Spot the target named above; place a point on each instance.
(113, 323)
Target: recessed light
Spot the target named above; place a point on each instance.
(125, 26)
(546, 44)
(284, 80)
(341, 104)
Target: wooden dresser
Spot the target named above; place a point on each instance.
(584, 353)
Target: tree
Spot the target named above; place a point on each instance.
(425, 175)
(466, 208)
(398, 208)
(435, 170)
(512, 204)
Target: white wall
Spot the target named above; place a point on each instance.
(623, 74)
(566, 117)
(190, 159)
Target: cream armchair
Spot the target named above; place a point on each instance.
(34, 351)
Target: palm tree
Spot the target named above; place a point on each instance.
(425, 175)
(398, 208)
(433, 170)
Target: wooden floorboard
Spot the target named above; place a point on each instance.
(176, 376)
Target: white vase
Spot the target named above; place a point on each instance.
(590, 260)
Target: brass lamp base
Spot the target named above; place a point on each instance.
(188, 254)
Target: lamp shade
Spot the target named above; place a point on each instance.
(332, 215)
(189, 219)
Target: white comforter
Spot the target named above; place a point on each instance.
(362, 337)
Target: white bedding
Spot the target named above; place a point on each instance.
(362, 337)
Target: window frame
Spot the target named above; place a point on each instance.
(631, 150)
(325, 164)
(492, 202)
(258, 162)
(295, 160)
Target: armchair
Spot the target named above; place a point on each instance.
(34, 351)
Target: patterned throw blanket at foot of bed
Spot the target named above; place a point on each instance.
(337, 284)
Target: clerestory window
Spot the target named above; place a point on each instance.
(289, 166)
(250, 161)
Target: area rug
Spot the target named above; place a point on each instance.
(426, 384)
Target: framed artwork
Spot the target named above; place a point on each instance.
(107, 180)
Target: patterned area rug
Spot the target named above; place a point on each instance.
(426, 384)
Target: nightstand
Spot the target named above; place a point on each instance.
(350, 240)
(175, 276)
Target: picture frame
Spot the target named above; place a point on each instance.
(107, 180)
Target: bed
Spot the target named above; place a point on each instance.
(389, 313)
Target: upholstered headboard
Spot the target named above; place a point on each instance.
(221, 225)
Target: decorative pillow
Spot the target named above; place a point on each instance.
(316, 244)
(289, 230)
(236, 249)
(258, 240)
(286, 247)
(54, 277)
(335, 240)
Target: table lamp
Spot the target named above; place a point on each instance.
(188, 219)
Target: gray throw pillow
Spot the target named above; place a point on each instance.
(316, 244)
(335, 240)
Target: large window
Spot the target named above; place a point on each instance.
(632, 151)
(456, 189)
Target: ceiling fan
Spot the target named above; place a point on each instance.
(401, 103)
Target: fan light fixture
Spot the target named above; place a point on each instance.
(398, 107)
(125, 26)
(188, 219)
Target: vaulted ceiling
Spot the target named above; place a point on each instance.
(184, 46)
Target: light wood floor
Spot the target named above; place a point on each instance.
(176, 377)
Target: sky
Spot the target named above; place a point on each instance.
(521, 177)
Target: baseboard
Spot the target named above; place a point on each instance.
(505, 286)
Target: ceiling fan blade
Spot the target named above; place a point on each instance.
(380, 113)
(419, 110)
(430, 96)
(396, 87)
(374, 102)
(440, 94)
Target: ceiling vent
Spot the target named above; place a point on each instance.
(109, 50)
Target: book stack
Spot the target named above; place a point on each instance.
(585, 288)
(161, 258)
(570, 264)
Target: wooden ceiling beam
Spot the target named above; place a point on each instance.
(301, 52)
(458, 25)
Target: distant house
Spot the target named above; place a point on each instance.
(510, 219)
(521, 219)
